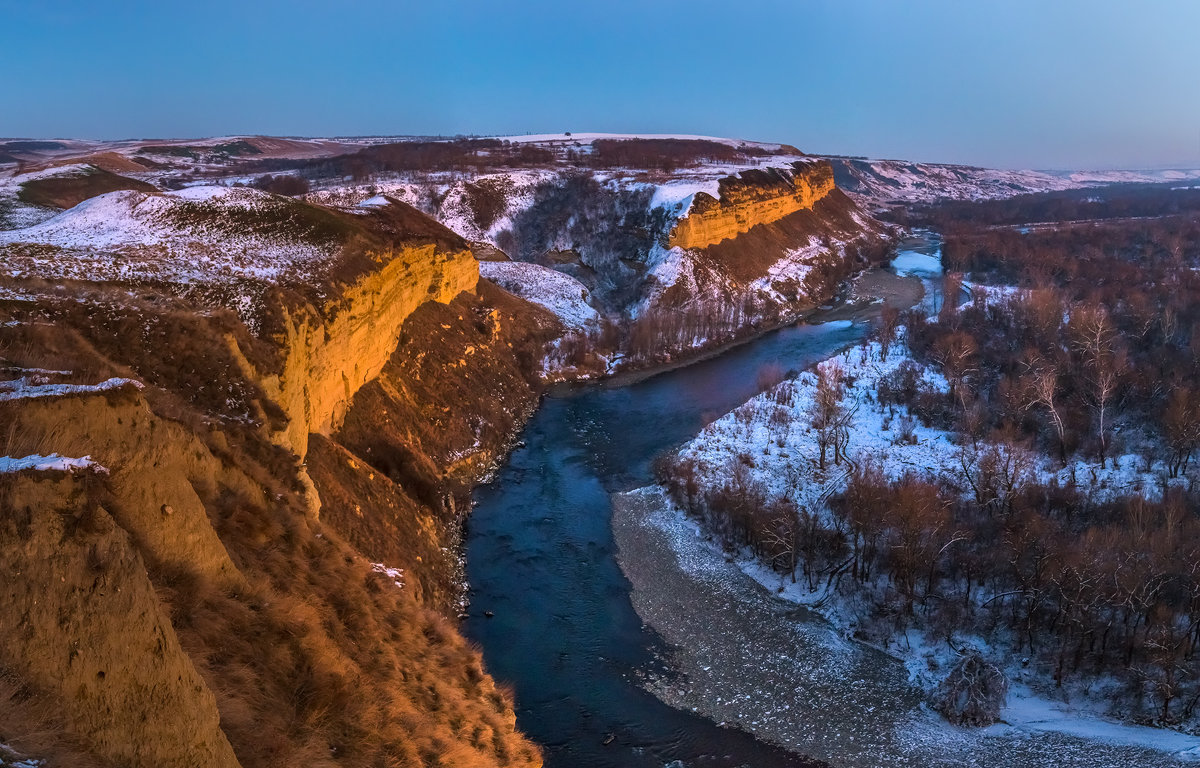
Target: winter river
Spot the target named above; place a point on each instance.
(541, 557)
(543, 562)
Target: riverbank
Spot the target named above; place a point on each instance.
(869, 292)
(741, 656)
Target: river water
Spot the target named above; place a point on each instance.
(541, 559)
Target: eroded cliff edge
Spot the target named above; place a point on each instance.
(260, 628)
(752, 198)
(284, 407)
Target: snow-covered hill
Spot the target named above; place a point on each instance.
(201, 234)
(898, 181)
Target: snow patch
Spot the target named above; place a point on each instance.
(562, 294)
(49, 463)
(26, 388)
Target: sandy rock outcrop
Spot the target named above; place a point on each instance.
(752, 198)
(327, 359)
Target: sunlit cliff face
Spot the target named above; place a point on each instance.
(327, 361)
(756, 197)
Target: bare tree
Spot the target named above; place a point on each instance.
(889, 323)
(826, 414)
(781, 537)
(996, 475)
(1041, 388)
(1180, 424)
(1095, 338)
(956, 353)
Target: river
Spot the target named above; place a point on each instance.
(541, 558)
(549, 604)
(552, 609)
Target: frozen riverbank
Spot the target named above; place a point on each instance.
(742, 656)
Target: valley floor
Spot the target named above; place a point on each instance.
(748, 651)
(771, 667)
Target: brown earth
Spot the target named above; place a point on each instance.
(208, 529)
(68, 191)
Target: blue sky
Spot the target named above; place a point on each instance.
(1048, 84)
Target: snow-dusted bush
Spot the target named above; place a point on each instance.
(973, 693)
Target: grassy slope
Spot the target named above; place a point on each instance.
(68, 191)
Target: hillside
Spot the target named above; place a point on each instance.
(732, 234)
(184, 482)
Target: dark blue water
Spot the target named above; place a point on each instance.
(540, 554)
(541, 557)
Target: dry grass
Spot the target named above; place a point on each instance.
(34, 727)
(324, 662)
(395, 478)
(68, 191)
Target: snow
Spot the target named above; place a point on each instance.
(1027, 712)
(517, 186)
(396, 575)
(562, 294)
(912, 182)
(588, 138)
(378, 201)
(679, 193)
(130, 218)
(739, 655)
(199, 235)
(17, 214)
(51, 462)
(665, 268)
(26, 388)
(916, 264)
(210, 192)
(769, 438)
(1091, 178)
(785, 455)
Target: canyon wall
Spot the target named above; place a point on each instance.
(329, 356)
(752, 198)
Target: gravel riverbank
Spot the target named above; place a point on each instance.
(741, 656)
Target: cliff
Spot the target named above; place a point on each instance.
(255, 633)
(329, 356)
(752, 198)
(459, 385)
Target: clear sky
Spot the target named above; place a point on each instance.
(1008, 83)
